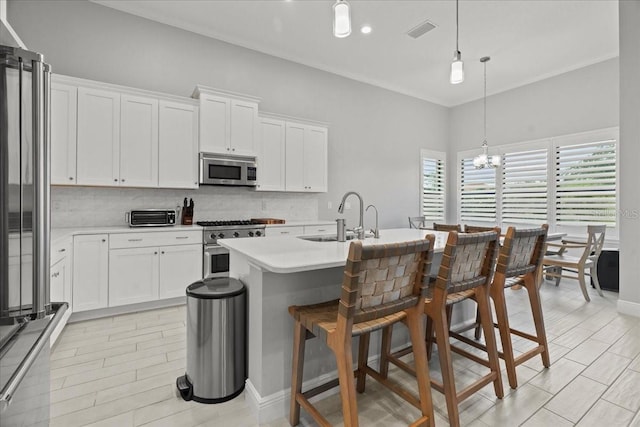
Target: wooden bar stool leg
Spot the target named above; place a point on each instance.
(344, 359)
(385, 351)
(538, 319)
(446, 366)
(482, 298)
(416, 331)
(502, 318)
(429, 336)
(299, 335)
(478, 332)
(363, 355)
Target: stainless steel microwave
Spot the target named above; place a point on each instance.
(227, 170)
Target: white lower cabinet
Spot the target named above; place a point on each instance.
(139, 272)
(179, 267)
(90, 272)
(133, 275)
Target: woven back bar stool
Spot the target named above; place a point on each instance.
(447, 227)
(519, 263)
(465, 273)
(382, 285)
(476, 228)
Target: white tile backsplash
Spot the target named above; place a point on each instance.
(95, 206)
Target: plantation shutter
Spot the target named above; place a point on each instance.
(433, 189)
(524, 187)
(586, 183)
(477, 193)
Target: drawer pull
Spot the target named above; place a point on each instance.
(62, 250)
(135, 240)
(182, 237)
(56, 274)
(285, 232)
(321, 229)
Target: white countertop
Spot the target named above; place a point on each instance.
(292, 254)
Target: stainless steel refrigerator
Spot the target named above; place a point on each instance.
(27, 318)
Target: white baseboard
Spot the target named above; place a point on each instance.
(628, 307)
(125, 309)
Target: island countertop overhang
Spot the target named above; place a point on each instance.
(287, 254)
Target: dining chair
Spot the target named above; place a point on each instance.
(382, 285)
(554, 265)
(465, 273)
(447, 227)
(419, 222)
(518, 263)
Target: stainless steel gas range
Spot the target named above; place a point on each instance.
(215, 261)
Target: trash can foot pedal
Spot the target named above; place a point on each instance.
(184, 387)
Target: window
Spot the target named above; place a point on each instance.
(432, 195)
(524, 187)
(477, 193)
(568, 182)
(585, 183)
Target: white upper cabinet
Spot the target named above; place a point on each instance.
(178, 147)
(98, 152)
(306, 158)
(295, 157)
(315, 159)
(244, 128)
(228, 122)
(64, 102)
(138, 141)
(271, 155)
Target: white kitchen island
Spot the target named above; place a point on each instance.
(283, 271)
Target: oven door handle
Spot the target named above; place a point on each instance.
(12, 385)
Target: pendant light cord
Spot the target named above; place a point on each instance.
(457, 28)
(485, 102)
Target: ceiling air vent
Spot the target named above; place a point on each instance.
(420, 29)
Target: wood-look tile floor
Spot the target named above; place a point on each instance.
(121, 371)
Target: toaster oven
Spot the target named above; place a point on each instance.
(151, 217)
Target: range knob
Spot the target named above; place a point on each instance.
(251, 234)
(236, 234)
(258, 233)
(221, 236)
(213, 236)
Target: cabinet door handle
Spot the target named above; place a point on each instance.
(70, 178)
(162, 252)
(115, 179)
(233, 149)
(122, 180)
(135, 240)
(56, 274)
(104, 240)
(62, 250)
(155, 253)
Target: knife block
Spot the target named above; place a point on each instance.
(187, 216)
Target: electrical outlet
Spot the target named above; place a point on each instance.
(347, 205)
(329, 205)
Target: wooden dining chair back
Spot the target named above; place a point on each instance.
(465, 272)
(557, 263)
(447, 227)
(476, 228)
(418, 222)
(382, 285)
(519, 263)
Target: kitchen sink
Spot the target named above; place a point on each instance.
(326, 238)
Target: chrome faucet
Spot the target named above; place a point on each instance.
(375, 231)
(359, 230)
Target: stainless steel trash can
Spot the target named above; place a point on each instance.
(216, 341)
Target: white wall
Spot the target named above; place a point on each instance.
(629, 301)
(577, 101)
(375, 135)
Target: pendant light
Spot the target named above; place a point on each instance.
(341, 19)
(483, 160)
(457, 66)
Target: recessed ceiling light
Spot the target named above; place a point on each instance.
(366, 29)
